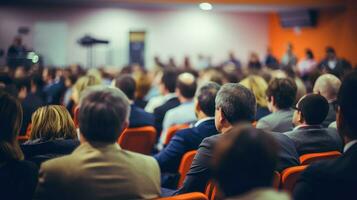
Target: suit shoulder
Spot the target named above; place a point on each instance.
(210, 141)
(58, 163)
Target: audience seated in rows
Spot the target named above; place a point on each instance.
(234, 104)
(53, 134)
(138, 117)
(169, 99)
(189, 139)
(18, 178)
(328, 85)
(186, 86)
(99, 168)
(258, 86)
(336, 179)
(309, 135)
(243, 166)
(281, 95)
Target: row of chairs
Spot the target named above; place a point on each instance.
(285, 180)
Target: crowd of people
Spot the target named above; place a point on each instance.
(245, 123)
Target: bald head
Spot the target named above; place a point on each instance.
(186, 85)
(327, 85)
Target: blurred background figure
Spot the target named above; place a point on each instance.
(289, 59)
(306, 66)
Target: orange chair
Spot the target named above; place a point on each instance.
(211, 191)
(185, 165)
(139, 140)
(289, 177)
(276, 180)
(22, 138)
(313, 157)
(172, 131)
(188, 196)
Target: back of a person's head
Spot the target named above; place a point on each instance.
(283, 90)
(237, 103)
(143, 85)
(258, 86)
(206, 96)
(10, 124)
(327, 85)
(314, 108)
(168, 79)
(83, 83)
(347, 98)
(127, 84)
(103, 114)
(186, 84)
(52, 122)
(244, 159)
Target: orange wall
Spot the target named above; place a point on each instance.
(335, 28)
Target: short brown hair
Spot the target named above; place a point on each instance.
(52, 122)
(284, 92)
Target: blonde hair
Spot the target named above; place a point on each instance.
(52, 122)
(258, 86)
(83, 83)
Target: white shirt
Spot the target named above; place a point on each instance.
(202, 120)
(349, 145)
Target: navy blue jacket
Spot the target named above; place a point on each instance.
(183, 141)
(139, 117)
(160, 112)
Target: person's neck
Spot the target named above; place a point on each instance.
(201, 115)
(184, 100)
(274, 109)
(226, 129)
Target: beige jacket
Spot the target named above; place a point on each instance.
(98, 171)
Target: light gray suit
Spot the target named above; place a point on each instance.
(98, 171)
(279, 121)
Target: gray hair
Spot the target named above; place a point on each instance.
(236, 102)
(103, 110)
(328, 86)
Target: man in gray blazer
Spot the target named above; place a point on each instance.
(281, 94)
(309, 135)
(99, 168)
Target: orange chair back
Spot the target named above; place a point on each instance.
(185, 165)
(22, 138)
(188, 196)
(211, 191)
(172, 131)
(313, 157)
(140, 140)
(276, 180)
(289, 177)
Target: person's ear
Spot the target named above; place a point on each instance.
(76, 115)
(300, 117)
(197, 106)
(222, 118)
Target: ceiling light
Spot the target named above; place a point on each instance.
(205, 6)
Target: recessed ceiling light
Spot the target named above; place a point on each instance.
(205, 6)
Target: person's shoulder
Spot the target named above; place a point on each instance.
(185, 132)
(25, 166)
(210, 141)
(141, 159)
(59, 163)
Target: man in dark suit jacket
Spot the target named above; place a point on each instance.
(167, 87)
(309, 135)
(336, 179)
(138, 116)
(334, 65)
(234, 104)
(189, 139)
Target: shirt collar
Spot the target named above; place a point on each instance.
(306, 126)
(202, 120)
(349, 145)
(169, 96)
